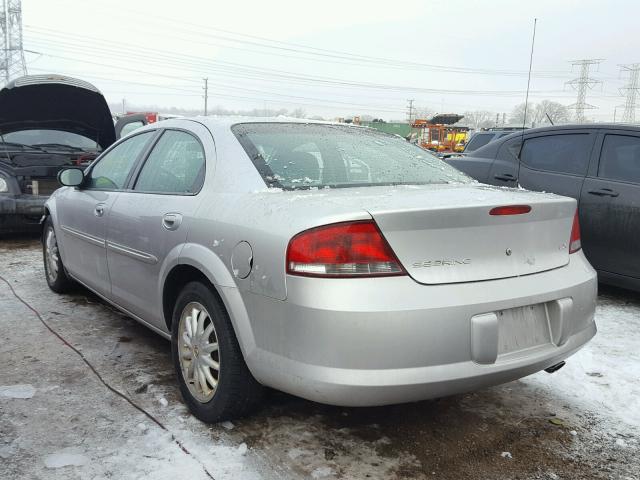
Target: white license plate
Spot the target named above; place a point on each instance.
(521, 328)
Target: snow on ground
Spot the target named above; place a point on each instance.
(17, 391)
(604, 377)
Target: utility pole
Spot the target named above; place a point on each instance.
(12, 62)
(630, 91)
(504, 119)
(581, 85)
(206, 94)
(410, 110)
(124, 106)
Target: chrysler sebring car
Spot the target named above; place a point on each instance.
(333, 262)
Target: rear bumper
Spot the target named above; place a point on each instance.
(390, 340)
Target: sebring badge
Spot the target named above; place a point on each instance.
(445, 262)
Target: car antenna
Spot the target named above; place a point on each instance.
(549, 118)
(526, 100)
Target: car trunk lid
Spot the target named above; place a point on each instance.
(449, 238)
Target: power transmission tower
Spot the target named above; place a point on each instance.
(12, 62)
(206, 94)
(630, 91)
(410, 110)
(583, 83)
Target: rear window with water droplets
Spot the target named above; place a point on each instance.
(297, 156)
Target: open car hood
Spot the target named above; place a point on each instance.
(58, 103)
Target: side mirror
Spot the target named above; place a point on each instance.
(71, 177)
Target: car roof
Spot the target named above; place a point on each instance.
(221, 125)
(490, 149)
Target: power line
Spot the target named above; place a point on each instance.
(12, 63)
(630, 91)
(582, 84)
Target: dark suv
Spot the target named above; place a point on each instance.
(47, 123)
(599, 165)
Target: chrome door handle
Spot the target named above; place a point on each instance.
(171, 221)
(99, 210)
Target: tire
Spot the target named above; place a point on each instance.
(54, 270)
(236, 392)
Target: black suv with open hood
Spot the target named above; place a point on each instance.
(47, 123)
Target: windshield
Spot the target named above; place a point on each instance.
(300, 156)
(51, 139)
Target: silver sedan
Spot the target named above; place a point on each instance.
(333, 262)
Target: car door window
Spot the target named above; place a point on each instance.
(479, 140)
(112, 170)
(175, 165)
(558, 153)
(620, 158)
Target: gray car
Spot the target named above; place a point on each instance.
(333, 262)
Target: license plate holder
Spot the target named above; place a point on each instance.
(522, 328)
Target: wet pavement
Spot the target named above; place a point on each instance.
(527, 429)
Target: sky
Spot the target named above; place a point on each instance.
(336, 58)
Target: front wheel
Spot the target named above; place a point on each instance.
(57, 277)
(213, 376)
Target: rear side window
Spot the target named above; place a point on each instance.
(558, 153)
(297, 156)
(620, 158)
(175, 165)
(479, 140)
(112, 170)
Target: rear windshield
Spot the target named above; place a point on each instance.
(297, 156)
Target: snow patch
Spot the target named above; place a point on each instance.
(322, 472)
(22, 391)
(506, 455)
(227, 425)
(242, 448)
(65, 457)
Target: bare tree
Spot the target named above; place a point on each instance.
(537, 114)
(479, 119)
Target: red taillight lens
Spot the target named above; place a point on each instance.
(350, 249)
(574, 241)
(510, 210)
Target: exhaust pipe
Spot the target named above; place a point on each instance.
(555, 368)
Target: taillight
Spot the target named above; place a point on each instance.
(574, 241)
(349, 249)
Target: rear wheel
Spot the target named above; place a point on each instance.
(57, 277)
(213, 376)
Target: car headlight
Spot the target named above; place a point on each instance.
(4, 188)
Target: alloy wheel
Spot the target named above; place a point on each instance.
(198, 352)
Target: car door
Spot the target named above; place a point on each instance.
(555, 161)
(610, 205)
(149, 222)
(83, 212)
